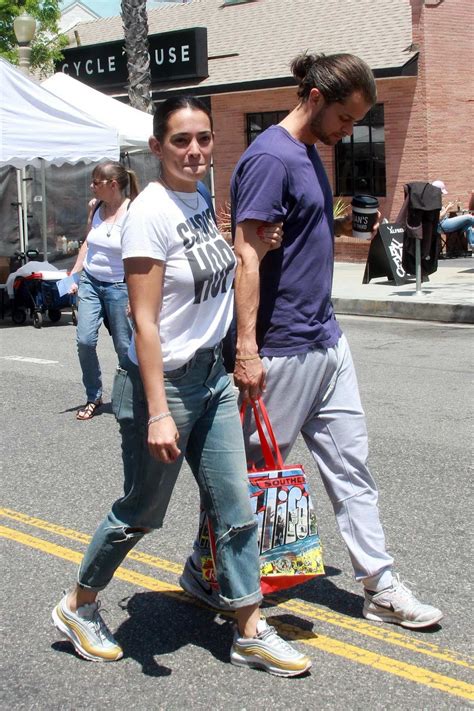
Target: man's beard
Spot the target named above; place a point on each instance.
(317, 129)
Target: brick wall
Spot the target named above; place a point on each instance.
(428, 118)
(447, 46)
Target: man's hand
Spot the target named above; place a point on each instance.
(249, 376)
(271, 234)
(375, 228)
(163, 439)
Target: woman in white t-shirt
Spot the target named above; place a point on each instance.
(173, 398)
(102, 289)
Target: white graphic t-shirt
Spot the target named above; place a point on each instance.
(198, 292)
(103, 258)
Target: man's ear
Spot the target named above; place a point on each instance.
(316, 98)
(155, 146)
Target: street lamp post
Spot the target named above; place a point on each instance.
(24, 26)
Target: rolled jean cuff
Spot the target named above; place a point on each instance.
(91, 588)
(252, 599)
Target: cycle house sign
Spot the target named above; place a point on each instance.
(173, 55)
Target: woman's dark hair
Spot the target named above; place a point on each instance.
(176, 103)
(336, 76)
(113, 170)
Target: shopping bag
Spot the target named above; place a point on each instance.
(289, 544)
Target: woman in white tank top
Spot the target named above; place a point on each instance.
(102, 290)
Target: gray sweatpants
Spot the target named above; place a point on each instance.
(317, 394)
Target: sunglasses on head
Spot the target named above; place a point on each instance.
(98, 182)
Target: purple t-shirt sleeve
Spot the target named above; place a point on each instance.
(262, 184)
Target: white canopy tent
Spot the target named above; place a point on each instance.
(38, 127)
(134, 127)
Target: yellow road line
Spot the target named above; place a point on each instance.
(85, 538)
(383, 633)
(325, 644)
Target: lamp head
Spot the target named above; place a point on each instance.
(24, 26)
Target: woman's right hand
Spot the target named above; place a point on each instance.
(74, 288)
(163, 439)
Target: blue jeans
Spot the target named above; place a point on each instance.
(99, 299)
(460, 222)
(203, 404)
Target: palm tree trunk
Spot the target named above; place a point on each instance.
(135, 27)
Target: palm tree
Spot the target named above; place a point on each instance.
(135, 27)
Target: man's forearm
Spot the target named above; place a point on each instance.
(247, 297)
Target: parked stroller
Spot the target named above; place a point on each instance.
(37, 293)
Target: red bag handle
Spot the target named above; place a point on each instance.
(273, 459)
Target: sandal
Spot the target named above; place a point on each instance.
(88, 411)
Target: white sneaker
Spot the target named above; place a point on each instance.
(398, 605)
(193, 583)
(87, 631)
(268, 651)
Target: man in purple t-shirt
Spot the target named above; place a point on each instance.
(290, 349)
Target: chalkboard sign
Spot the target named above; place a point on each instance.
(385, 255)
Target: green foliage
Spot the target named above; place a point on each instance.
(47, 43)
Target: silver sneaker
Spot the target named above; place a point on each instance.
(194, 584)
(268, 651)
(398, 605)
(87, 631)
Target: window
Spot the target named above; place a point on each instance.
(256, 123)
(360, 158)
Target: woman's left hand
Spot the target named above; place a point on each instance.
(163, 439)
(271, 233)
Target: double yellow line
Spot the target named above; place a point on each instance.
(411, 672)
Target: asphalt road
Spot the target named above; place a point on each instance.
(60, 476)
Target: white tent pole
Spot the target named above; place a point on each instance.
(44, 221)
(24, 201)
(20, 209)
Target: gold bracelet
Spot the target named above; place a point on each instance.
(247, 357)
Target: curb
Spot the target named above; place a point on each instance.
(445, 313)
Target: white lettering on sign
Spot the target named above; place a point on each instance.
(171, 55)
(65, 69)
(395, 230)
(111, 64)
(77, 66)
(99, 66)
(88, 66)
(396, 249)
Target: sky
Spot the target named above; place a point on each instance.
(105, 8)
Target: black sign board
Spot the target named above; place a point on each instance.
(173, 55)
(385, 255)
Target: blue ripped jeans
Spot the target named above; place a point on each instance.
(97, 300)
(203, 404)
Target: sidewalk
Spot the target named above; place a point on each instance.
(448, 296)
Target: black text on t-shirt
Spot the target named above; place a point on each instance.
(209, 256)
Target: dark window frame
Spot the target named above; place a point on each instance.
(264, 121)
(374, 181)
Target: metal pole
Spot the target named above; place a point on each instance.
(24, 201)
(418, 265)
(44, 222)
(20, 209)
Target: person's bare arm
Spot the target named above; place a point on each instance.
(249, 374)
(81, 255)
(145, 290)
